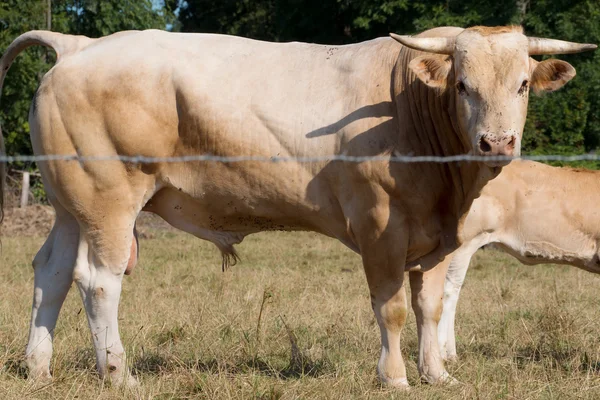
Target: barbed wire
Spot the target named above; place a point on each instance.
(396, 158)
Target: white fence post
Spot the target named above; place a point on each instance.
(25, 190)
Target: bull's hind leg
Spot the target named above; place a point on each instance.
(53, 271)
(102, 258)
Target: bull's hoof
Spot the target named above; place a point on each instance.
(40, 379)
(40, 375)
(396, 383)
(444, 379)
(122, 379)
(450, 358)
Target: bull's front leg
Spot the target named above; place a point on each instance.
(383, 244)
(427, 290)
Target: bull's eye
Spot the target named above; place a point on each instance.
(524, 86)
(460, 87)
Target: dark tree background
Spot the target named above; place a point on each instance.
(566, 122)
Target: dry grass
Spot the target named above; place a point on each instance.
(192, 331)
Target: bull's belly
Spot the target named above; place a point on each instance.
(226, 219)
(223, 205)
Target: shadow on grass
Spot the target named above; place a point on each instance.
(16, 367)
(155, 363)
(299, 364)
(555, 344)
(568, 359)
(85, 360)
(298, 367)
(485, 350)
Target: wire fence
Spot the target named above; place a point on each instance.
(395, 158)
(22, 191)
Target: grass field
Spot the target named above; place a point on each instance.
(192, 331)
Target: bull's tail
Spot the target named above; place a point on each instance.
(61, 44)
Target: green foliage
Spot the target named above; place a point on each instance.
(284, 20)
(95, 18)
(17, 17)
(92, 18)
(565, 122)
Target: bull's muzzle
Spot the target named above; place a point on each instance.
(493, 145)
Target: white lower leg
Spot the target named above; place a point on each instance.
(390, 368)
(455, 278)
(446, 334)
(48, 297)
(100, 289)
(427, 293)
(391, 316)
(430, 363)
(53, 268)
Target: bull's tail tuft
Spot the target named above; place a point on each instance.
(230, 257)
(62, 45)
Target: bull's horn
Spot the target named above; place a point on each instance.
(539, 46)
(441, 45)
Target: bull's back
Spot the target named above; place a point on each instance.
(158, 95)
(216, 93)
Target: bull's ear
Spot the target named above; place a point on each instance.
(551, 75)
(432, 70)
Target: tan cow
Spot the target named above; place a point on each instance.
(161, 94)
(536, 213)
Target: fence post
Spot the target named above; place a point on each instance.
(25, 190)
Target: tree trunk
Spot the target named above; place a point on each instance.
(522, 10)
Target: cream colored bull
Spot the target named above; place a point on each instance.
(536, 213)
(157, 94)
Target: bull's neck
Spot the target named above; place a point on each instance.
(428, 127)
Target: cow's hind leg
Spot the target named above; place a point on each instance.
(103, 256)
(53, 271)
(455, 278)
(427, 289)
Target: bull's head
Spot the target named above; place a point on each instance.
(490, 73)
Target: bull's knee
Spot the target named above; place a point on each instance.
(392, 311)
(38, 262)
(42, 257)
(81, 273)
(429, 307)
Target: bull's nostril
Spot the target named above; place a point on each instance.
(484, 146)
(511, 144)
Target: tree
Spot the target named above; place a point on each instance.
(93, 18)
(566, 122)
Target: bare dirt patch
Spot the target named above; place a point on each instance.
(36, 220)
